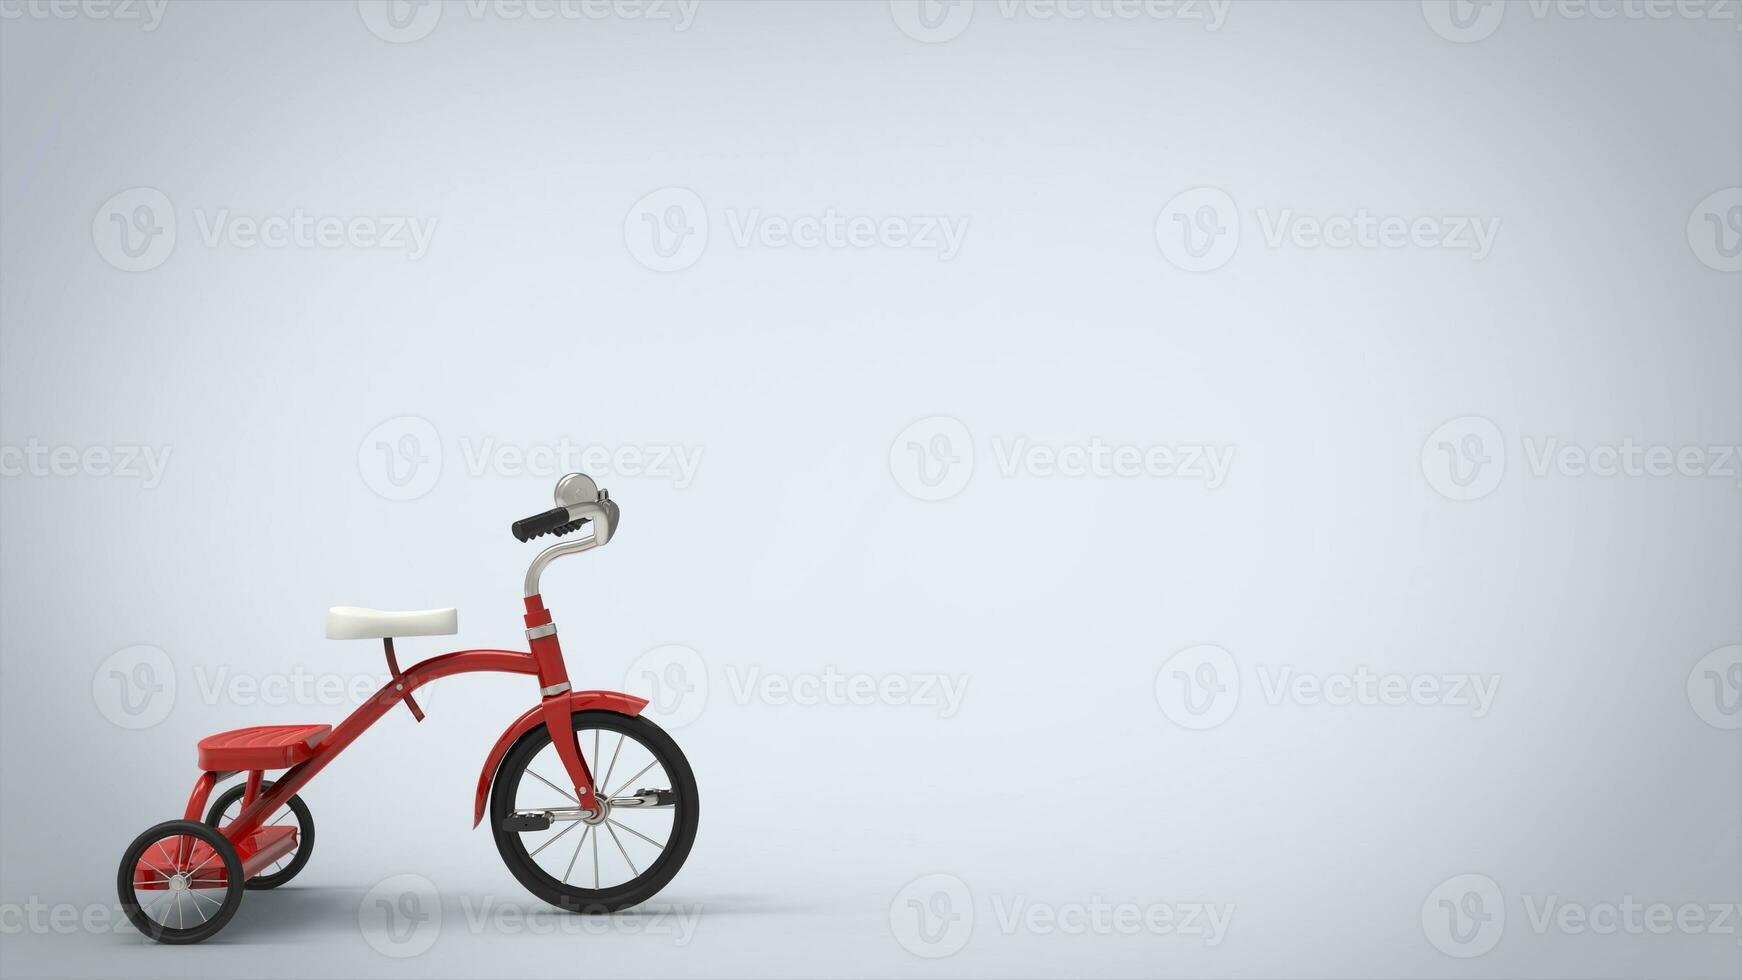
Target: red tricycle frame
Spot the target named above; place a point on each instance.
(259, 846)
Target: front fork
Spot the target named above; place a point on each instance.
(553, 677)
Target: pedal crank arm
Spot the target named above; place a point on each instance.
(645, 799)
(527, 821)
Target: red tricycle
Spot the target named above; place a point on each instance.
(182, 880)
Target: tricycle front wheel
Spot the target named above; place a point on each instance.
(616, 858)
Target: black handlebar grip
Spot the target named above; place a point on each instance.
(554, 521)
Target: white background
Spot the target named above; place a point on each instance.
(1608, 766)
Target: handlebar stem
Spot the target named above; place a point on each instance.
(601, 513)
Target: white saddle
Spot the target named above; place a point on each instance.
(354, 623)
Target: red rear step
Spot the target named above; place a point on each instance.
(258, 850)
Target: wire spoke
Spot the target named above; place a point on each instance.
(620, 850)
(204, 863)
(578, 845)
(553, 840)
(628, 829)
(552, 785)
(633, 778)
(595, 862)
(613, 767)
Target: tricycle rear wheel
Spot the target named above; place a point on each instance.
(174, 891)
(228, 806)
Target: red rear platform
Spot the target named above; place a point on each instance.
(257, 851)
(263, 747)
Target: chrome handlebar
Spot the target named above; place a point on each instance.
(585, 502)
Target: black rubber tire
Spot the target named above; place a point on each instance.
(617, 897)
(130, 898)
(305, 834)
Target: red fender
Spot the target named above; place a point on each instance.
(623, 704)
